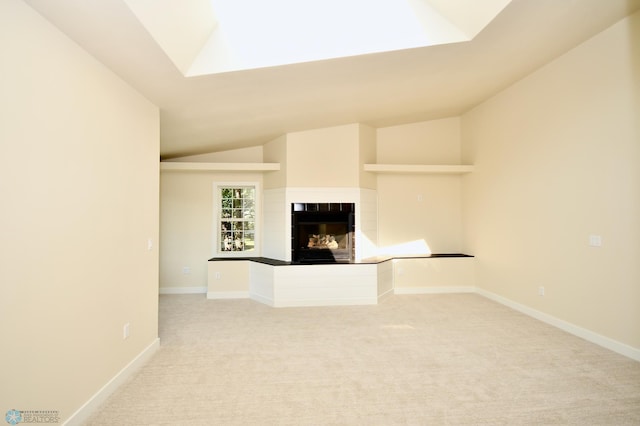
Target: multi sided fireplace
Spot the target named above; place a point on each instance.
(322, 232)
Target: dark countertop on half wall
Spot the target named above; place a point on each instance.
(367, 261)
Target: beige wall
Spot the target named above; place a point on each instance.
(367, 155)
(420, 206)
(425, 142)
(186, 225)
(323, 157)
(79, 185)
(429, 275)
(275, 151)
(557, 159)
(328, 157)
(228, 279)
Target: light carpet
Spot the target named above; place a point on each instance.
(449, 359)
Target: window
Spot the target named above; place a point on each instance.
(236, 218)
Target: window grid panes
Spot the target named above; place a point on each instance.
(237, 218)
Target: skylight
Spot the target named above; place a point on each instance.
(250, 34)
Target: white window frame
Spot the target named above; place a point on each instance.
(217, 219)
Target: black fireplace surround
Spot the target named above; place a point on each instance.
(322, 232)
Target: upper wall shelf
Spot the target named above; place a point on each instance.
(417, 168)
(223, 167)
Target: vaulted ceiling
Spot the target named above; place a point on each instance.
(241, 108)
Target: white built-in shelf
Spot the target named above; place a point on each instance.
(228, 167)
(417, 168)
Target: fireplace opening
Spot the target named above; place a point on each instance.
(322, 232)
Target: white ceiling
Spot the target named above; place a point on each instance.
(245, 108)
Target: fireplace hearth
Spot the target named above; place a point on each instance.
(322, 232)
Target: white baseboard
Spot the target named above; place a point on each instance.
(262, 299)
(83, 413)
(382, 297)
(598, 339)
(434, 290)
(228, 295)
(297, 303)
(183, 290)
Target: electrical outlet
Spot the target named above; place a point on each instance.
(186, 270)
(218, 276)
(125, 331)
(540, 291)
